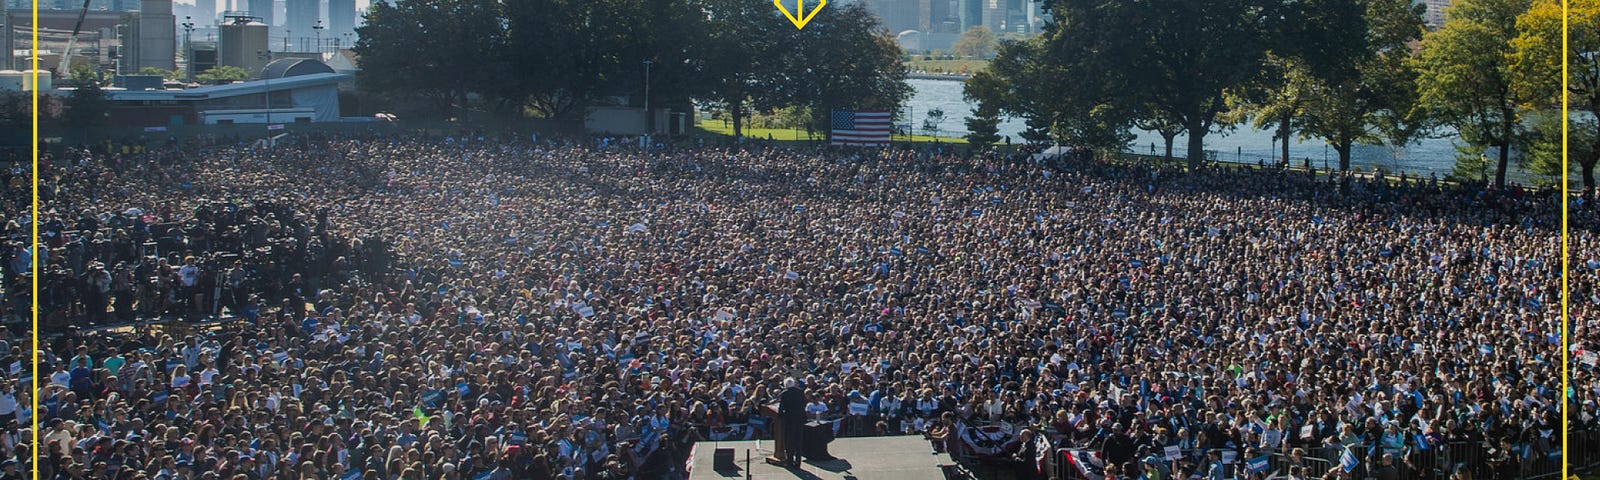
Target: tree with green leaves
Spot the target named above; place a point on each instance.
(1542, 154)
(440, 51)
(1466, 79)
(977, 43)
(1369, 94)
(983, 127)
(160, 72)
(1536, 73)
(932, 120)
(223, 74)
(987, 90)
(84, 75)
(1112, 62)
(87, 106)
(843, 59)
(739, 55)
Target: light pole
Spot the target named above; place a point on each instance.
(267, 88)
(188, 56)
(346, 43)
(286, 33)
(318, 28)
(647, 120)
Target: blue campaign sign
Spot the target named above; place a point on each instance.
(432, 398)
(1257, 465)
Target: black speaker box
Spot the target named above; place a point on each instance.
(722, 460)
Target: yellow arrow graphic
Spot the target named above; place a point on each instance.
(800, 7)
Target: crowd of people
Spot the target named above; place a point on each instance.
(407, 307)
(1583, 412)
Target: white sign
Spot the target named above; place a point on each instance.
(1174, 452)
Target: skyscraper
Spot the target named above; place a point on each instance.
(205, 12)
(299, 17)
(900, 15)
(994, 15)
(970, 12)
(156, 38)
(341, 17)
(261, 9)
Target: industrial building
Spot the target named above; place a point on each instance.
(243, 44)
(261, 9)
(291, 90)
(156, 31)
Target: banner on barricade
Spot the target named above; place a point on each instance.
(987, 439)
(1043, 447)
(1087, 464)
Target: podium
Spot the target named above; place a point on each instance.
(815, 440)
(780, 452)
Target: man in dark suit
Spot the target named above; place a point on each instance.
(792, 412)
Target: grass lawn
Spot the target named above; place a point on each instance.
(947, 66)
(714, 128)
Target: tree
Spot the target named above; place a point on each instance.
(439, 50)
(1111, 62)
(85, 75)
(223, 74)
(1369, 96)
(163, 73)
(1543, 154)
(739, 54)
(1038, 130)
(1536, 69)
(843, 59)
(977, 42)
(931, 121)
(983, 127)
(87, 106)
(1465, 76)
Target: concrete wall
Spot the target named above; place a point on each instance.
(615, 120)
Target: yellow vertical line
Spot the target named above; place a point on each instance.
(33, 257)
(1566, 372)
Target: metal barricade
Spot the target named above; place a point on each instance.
(1583, 450)
(1061, 468)
(1474, 456)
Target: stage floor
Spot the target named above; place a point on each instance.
(863, 458)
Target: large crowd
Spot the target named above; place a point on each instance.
(404, 307)
(1583, 356)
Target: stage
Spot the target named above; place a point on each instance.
(866, 458)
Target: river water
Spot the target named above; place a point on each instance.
(1434, 155)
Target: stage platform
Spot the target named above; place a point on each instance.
(863, 458)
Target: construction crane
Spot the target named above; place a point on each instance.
(72, 41)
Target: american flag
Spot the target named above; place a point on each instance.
(860, 128)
